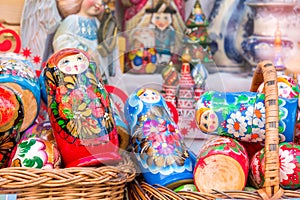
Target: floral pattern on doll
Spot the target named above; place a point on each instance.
(156, 138)
(242, 115)
(79, 102)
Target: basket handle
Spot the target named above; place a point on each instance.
(266, 73)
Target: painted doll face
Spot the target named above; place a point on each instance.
(162, 20)
(150, 96)
(73, 64)
(92, 7)
(284, 90)
(208, 121)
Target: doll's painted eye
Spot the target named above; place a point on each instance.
(205, 117)
(79, 58)
(145, 94)
(165, 18)
(65, 62)
(157, 17)
(205, 126)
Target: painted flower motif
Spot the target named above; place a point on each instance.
(91, 92)
(287, 166)
(255, 170)
(76, 96)
(165, 149)
(65, 111)
(97, 109)
(150, 127)
(259, 115)
(156, 139)
(249, 115)
(174, 139)
(60, 93)
(236, 124)
(6, 145)
(257, 135)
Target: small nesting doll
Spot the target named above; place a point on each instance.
(80, 111)
(289, 162)
(157, 142)
(36, 149)
(242, 115)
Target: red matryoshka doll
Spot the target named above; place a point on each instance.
(222, 164)
(158, 144)
(80, 111)
(289, 162)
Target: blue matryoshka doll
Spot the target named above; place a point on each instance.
(157, 142)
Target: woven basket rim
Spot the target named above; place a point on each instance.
(24, 177)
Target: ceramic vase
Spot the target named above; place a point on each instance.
(242, 115)
(158, 144)
(79, 110)
(222, 164)
(289, 162)
(270, 40)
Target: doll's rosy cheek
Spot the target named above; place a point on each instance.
(212, 116)
(212, 127)
(82, 66)
(68, 69)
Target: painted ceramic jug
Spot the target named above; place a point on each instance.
(242, 115)
(17, 73)
(289, 161)
(11, 115)
(222, 164)
(79, 110)
(157, 142)
(35, 153)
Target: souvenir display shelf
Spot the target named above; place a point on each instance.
(264, 73)
(105, 182)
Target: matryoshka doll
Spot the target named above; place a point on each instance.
(36, 149)
(289, 162)
(17, 73)
(79, 110)
(222, 164)
(287, 88)
(158, 145)
(242, 115)
(19, 100)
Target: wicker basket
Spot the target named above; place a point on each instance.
(265, 73)
(105, 182)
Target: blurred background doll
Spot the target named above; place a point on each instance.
(68, 24)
